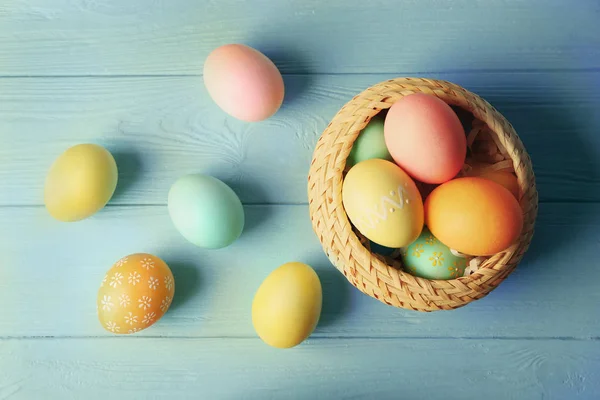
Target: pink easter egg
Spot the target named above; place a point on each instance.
(243, 82)
(425, 138)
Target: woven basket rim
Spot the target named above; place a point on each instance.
(381, 280)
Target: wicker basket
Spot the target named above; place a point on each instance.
(381, 277)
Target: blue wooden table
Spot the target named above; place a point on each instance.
(127, 74)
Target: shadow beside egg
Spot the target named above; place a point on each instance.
(188, 282)
(257, 207)
(129, 165)
(255, 217)
(296, 73)
(336, 294)
(295, 86)
(466, 118)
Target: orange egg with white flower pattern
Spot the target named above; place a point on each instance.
(135, 293)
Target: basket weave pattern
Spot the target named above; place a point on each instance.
(379, 276)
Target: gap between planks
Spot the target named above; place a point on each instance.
(399, 73)
(313, 338)
(250, 204)
(280, 204)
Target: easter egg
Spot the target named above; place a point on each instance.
(80, 182)
(474, 216)
(287, 305)
(383, 203)
(135, 293)
(425, 138)
(205, 211)
(370, 143)
(429, 258)
(243, 82)
(504, 178)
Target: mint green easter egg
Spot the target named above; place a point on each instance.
(370, 143)
(205, 211)
(429, 258)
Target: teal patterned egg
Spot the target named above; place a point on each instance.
(429, 258)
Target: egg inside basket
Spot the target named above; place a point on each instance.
(493, 145)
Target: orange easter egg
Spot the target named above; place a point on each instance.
(135, 293)
(474, 216)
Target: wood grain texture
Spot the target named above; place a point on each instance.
(108, 37)
(323, 369)
(162, 128)
(51, 273)
(127, 74)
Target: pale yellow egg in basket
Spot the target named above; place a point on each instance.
(493, 145)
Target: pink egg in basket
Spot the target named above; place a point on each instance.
(425, 138)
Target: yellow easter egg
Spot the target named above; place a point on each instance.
(135, 293)
(383, 203)
(287, 305)
(80, 182)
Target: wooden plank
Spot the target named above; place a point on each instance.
(162, 128)
(51, 273)
(324, 369)
(108, 37)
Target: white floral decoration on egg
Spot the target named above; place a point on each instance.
(131, 319)
(148, 318)
(106, 303)
(148, 263)
(153, 283)
(121, 262)
(145, 302)
(124, 300)
(164, 305)
(168, 282)
(134, 278)
(112, 326)
(116, 279)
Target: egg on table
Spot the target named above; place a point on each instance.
(474, 216)
(425, 138)
(135, 293)
(243, 82)
(80, 182)
(287, 305)
(383, 203)
(205, 211)
(370, 143)
(429, 258)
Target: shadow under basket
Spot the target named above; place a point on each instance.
(492, 142)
